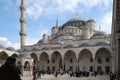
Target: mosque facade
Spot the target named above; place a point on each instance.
(76, 45)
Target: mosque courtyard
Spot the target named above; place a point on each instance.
(67, 77)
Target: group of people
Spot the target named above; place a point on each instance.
(9, 71)
(37, 75)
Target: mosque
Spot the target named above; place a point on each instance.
(76, 45)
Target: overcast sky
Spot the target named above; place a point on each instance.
(41, 17)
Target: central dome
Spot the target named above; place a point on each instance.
(76, 19)
(75, 22)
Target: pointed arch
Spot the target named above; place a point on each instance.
(44, 60)
(102, 52)
(85, 53)
(27, 66)
(69, 54)
(85, 60)
(14, 55)
(44, 56)
(103, 57)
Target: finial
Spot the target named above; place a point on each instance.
(76, 13)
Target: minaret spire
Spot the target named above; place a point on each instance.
(99, 27)
(76, 13)
(23, 24)
(57, 22)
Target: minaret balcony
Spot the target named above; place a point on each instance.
(23, 8)
(23, 20)
(22, 33)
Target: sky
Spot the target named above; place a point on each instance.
(41, 16)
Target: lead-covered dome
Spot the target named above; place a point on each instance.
(70, 46)
(75, 22)
(85, 44)
(99, 33)
(102, 42)
(2, 47)
(10, 48)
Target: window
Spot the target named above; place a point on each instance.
(48, 68)
(107, 59)
(53, 68)
(91, 69)
(99, 61)
(71, 68)
(48, 61)
(53, 61)
(107, 69)
(91, 60)
(71, 60)
(99, 68)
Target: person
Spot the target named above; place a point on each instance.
(34, 76)
(9, 70)
(39, 74)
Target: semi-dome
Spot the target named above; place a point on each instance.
(99, 33)
(36, 48)
(71, 46)
(10, 48)
(45, 48)
(102, 42)
(2, 47)
(85, 44)
(27, 49)
(58, 42)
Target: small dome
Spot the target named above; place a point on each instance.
(2, 47)
(27, 49)
(99, 33)
(19, 50)
(102, 42)
(71, 46)
(40, 41)
(90, 20)
(45, 48)
(58, 42)
(36, 48)
(85, 44)
(10, 48)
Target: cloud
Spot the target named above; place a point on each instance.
(6, 43)
(35, 8)
(106, 22)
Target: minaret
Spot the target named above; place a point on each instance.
(116, 37)
(23, 24)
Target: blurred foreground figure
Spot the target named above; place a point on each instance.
(9, 70)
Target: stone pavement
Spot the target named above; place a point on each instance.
(67, 77)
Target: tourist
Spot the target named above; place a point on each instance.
(39, 74)
(9, 70)
(34, 76)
